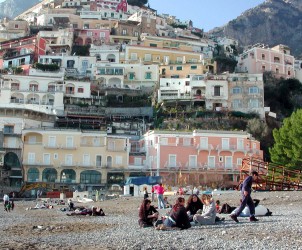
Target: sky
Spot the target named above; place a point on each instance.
(205, 14)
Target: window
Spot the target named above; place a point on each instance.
(69, 142)
(55, 156)
(22, 61)
(172, 161)
(84, 65)
(179, 59)
(163, 141)
(211, 161)
(148, 57)
(80, 90)
(171, 67)
(89, 33)
(16, 26)
(31, 158)
(236, 90)
(288, 73)
(236, 104)
(179, 68)
(253, 90)
(228, 162)
(135, 33)
(131, 75)
(225, 143)
(240, 144)
(263, 57)
(111, 145)
(133, 56)
(263, 68)
(148, 75)
(167, 60)
(187, 141)
(46, 159)
(239, 161)
(8, 129)
(253, 103)
(68, 160)
(98, 160)
(102, 34)
(220, 158)
(193, 67)
(204, 143)
(153, 45)
(216, 90)
(124, 32)
(193, 161)
(119, 160)
(277, 71)
(86, 160)
(51, 141)
(187, 83)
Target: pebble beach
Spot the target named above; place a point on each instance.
(24, 228)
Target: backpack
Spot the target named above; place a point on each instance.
(226, 209)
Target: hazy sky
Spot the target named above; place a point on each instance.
(205, 14)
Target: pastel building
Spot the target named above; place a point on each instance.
(246, 93)
(80, 159)
(207, 158)
(260, 58)
(41, 94)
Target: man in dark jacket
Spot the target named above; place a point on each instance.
(246, 190)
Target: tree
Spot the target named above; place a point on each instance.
(287, 149)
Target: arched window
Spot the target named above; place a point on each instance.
(90, 177)
(33, 175)
(49, 175)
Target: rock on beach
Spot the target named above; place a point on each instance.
(52, 229)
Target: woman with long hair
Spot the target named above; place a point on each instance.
(208, 215)
(148, 215)
(193, 205)
(178, 216)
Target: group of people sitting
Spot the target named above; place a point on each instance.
(197, 211)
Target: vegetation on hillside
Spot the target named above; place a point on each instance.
(287, 149)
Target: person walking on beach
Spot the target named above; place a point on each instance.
(152, 193)
(246, 190)
(146, 195)
(160, 195)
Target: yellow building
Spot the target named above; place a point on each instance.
(74, 158)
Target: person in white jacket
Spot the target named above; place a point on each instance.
(208, 215)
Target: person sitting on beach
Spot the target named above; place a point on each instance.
(167, 204)
(177, 217)
(208, 215)
(193, 205)
(148, 215)
(97, 211)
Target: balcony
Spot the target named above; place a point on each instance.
(50, 146)
(68, 147)
(12, 146)
(37, 163)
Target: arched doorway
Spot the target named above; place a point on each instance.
(49, 175)
(13, 166)
(90, 177)
(68, 176)
(33, 175)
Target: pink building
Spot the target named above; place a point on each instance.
(260, 58)
(207, 158)
(91, 36)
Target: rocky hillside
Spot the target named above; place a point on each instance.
(273, 22)
(12, 8)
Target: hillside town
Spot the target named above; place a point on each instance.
(95, 92)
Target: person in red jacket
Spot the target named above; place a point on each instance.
(247, 200)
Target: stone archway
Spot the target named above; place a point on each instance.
(49, 175)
